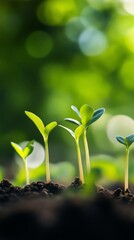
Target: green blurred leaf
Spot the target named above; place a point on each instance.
(37, 121)
(86, 113)
(69, 130)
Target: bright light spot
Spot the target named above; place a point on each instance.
(127, 73)
(39, 44)
(56, 12)
(119, 125)
(92, 42)
(36, 158)
(128, 6)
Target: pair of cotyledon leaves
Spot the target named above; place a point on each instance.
(127, 141)
(87, 116)
(24, 152)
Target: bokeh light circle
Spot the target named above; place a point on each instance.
(119, 125)
(39, 44)
(92, 42)
(36, 158)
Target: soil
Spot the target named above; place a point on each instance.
(52, 211)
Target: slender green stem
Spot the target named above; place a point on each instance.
(126, 169)
(86, 152)
(26, 171)
(47, 161)
(79, 162)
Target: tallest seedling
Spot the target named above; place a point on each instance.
(87, 116)
(44, 130)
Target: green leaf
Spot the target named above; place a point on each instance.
(28, 148)
(18, 149)
(121, 140)
(96, 115)
(37, 121)
(69, 130)
(78, 132)
(72, 121)
(50, 127)
(75, 109)
(129, 139)
(86, 113)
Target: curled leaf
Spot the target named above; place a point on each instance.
(69, 130)
(129, 139)
(50, 127)
(28, 149)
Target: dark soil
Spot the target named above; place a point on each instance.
(52, 211)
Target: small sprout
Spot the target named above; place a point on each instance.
(24, 153)
(44, 130)
(87, 116)
(127, 141)
(76, 135)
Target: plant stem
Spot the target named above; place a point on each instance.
(86, 152)
(47, 161)
(79, 162)
(126, 169)
(26, 171)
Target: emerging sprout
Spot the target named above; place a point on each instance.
(44, 130)
(87, 116)
(24, 153)
(127, 141)
(76, 135)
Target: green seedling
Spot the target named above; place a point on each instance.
(76, 135)
(87, 116)
(127, 141)
(44, 130)
(24, 153)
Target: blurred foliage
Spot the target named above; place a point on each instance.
(56, 53)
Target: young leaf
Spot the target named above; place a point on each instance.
(97, 114)
(130, 139)
(86, 113)
(78, 132)
(75, 109)
(50, 127)
(28, 149)
(18, 149)
(121, 140)
(69, 130)
(37, 121)
(72, 121)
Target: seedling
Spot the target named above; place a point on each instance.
(76, 135)
(24, 153)
(87, 116)
(127, 141)
(44, 130)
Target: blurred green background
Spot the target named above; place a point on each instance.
(58, 53)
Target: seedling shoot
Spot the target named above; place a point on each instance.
(24, 153)
(45, 131)
(76, 135)
(87, 116)
(127, 141)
